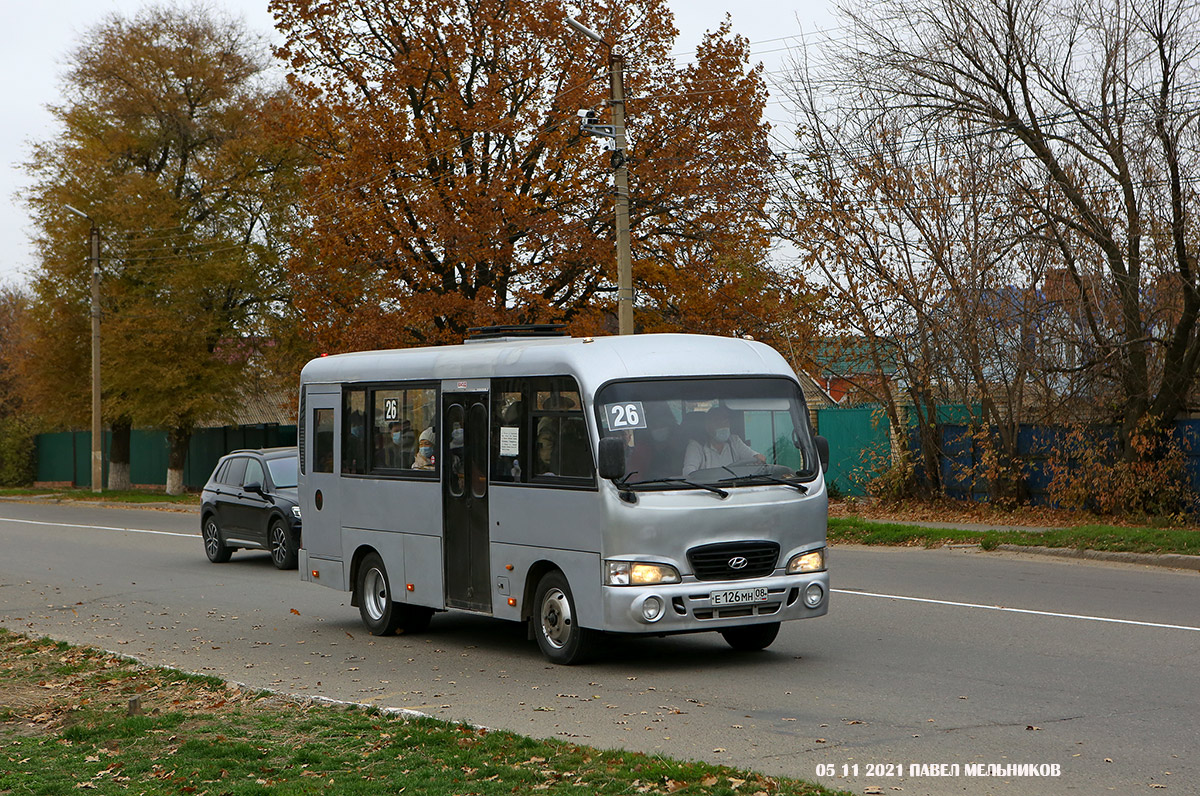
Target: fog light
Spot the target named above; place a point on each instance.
(813, 595)
(652, 609)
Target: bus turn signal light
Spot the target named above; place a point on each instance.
(316, 574)
(411, 587)
(512, 601)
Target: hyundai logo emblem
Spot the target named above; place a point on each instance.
(738, 562)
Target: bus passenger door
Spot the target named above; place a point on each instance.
(322, 530)
(464, 464)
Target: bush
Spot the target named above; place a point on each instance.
(893, 482)
(1088, 473)
(832, 489)
(18, 466)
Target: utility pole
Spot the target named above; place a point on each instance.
(97, 431)
(615, 131)
(616, 63)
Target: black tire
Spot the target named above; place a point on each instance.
(560, 638)
(751, 638)
(283, 545)
(375, 604)
(214, 540)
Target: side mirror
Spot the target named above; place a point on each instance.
(823, 452)
(254, 487)
(612, 458)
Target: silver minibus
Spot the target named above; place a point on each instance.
(649, 484)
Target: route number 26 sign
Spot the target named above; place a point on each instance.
(624, 416)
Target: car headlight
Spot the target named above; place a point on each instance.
(812, 561)
(639, 573)
(296, 512)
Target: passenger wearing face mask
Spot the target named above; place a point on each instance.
(456, 470)
(720, 448)
(424, 459)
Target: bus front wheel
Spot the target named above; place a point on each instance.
(379, 613)
(560, 637)
(751, 638)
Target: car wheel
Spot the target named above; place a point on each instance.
(283, 546)
(214, 542)
(375, 604)
(560, 637)
(751, 638)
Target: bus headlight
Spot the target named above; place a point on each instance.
(638, 573)
(812, 561)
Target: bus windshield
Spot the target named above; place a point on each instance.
(721, 432)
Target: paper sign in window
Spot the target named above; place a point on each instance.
(510, 441)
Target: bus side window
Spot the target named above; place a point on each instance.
(510, 462)
(323, 441)
(354, 431)
(562, 449)
(402, 420)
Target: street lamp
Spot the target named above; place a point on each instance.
(616, 64)
(97, 449)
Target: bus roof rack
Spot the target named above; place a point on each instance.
(517, 330)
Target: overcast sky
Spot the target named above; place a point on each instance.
(37, 35)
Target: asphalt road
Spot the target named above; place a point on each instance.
(927, 657)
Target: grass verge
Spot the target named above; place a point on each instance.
(65, 726)
(1085, 537)
(114, 496)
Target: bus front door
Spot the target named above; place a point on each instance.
(464, 449)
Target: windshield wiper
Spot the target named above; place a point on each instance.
(694, 484)
(801, 488)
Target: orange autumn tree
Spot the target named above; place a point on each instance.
(454, 187)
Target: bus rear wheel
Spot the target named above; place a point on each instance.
(751, 638)
(560, 637)
(375, 606)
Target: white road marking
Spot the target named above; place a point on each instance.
(101, 528)
(835, 591)
(1014, 610)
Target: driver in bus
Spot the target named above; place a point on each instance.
(720, 448)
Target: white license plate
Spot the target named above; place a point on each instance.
(740, 596)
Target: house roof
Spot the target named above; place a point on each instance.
(852, 356)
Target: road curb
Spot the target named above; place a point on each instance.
(1169, 560)
(290, 696)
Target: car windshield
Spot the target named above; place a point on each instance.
(726, 432)
(283, 472)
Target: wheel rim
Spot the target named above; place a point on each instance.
(212, 540)
(375, 594)
(556, 618)
(278, 543)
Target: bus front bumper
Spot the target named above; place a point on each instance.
(713, 605)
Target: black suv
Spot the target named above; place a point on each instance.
(250, 501)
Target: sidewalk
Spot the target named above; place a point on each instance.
(1169, 560)
(105, 504)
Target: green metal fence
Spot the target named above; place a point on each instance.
(859, 443)
(66, 456)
